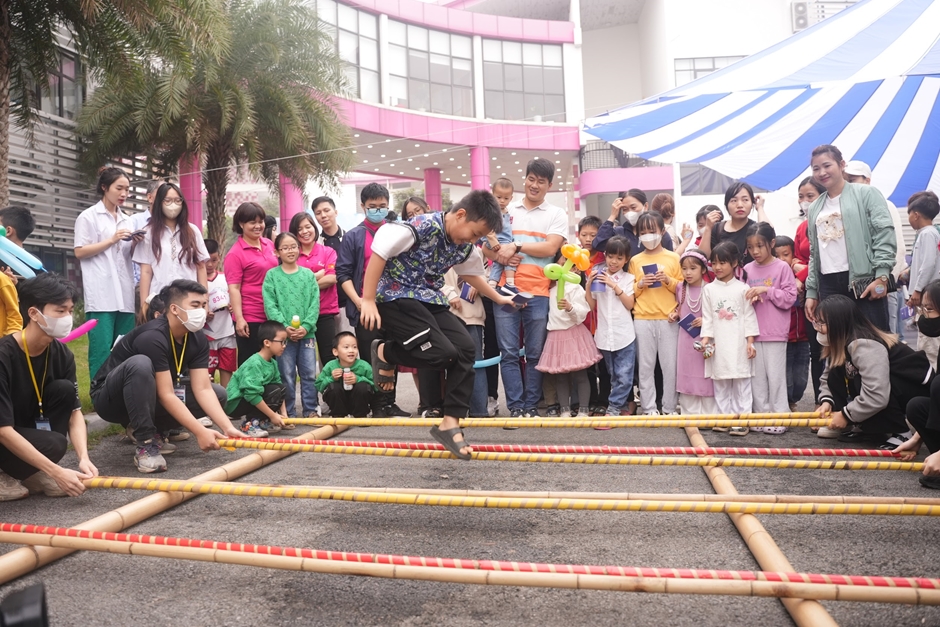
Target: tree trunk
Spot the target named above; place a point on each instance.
(4, 103)
(215, 178)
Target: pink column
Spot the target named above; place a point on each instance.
(292, 200)
(432, 188)
(191, 186)
(480, 167)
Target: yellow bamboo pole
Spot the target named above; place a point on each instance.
(617, 460)
(745, 420)
(805, 611)
(796, 591)
(18, 562)
(578, 504)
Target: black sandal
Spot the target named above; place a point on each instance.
(447, 439)
(379, 364)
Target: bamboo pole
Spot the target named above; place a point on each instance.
(670, 581)
(578, 504)
(21, 561)
(621, 422)
(805, 611)
(617, 460)
(607, 450)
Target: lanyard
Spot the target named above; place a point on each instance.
(32, 375)
(178, 362)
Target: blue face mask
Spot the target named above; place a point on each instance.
(376, 216)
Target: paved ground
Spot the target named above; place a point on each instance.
(100, 589)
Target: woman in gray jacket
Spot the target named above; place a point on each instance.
(852, 243)
(869, 377)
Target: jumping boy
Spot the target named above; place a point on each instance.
(405, 277)
(346, 382)
(503, 191)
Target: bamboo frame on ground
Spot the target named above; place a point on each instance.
(21, 561)
(616, 460)
(621, 422)
(674, 581)
(577, 504)
(606, 450)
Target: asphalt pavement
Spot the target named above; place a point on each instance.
(101, 589)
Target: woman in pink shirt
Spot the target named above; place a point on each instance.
(322, 261)
(246, 264)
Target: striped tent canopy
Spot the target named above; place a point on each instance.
(866, 80)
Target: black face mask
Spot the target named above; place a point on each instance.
(929, 326)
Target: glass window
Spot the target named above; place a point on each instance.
(515, 106)
(555, 108)
(551, 55)
(397, 33)
(532, 79)
(369, 86)
(493, 76)
(66, 92)
(463, 72)
(705, 63)
(461, 46)
(532, 54)
(397, 60)
(512, 77)
(368, 54)
(440, 69)
(512, 52)
(368, 25)
(683, 64)
(348, 18)
(419, 95)
(441, 99)
(352, 77)
(418, 65)
(49, 102)
(349, 47)
(554, 80)
(493, 105)
(439, 42)
(326, 9)
(534, 106)
(417, 37)
(463, 101)
(492, 50)
(687, 70)
(399, 91)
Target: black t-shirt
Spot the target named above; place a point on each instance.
(738, 238)
(333, 241)
(153, 340)
(18, 403)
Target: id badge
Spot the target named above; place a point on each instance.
(180, 391)
(43, 425)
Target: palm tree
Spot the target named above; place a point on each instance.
(117, 40)
(267, 102)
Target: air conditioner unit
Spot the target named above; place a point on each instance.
(799, 16)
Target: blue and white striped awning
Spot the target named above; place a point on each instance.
(866, 80)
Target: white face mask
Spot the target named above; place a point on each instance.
(195, 319)
(701, 231)
(804, 208)
(632, 217)
(822, 338)
(171, 211)
(650, 240)
(56, 327)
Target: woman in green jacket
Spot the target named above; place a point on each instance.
(851, 239)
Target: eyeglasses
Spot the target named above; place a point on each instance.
(288, 249)
(284, 342)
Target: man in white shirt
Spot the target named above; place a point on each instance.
(859, 172)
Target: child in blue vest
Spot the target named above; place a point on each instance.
(402, 295)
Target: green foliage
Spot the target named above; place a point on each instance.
(401, 196)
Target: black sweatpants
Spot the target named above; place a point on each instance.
(273, 396)
(421, 335)
(364, 338)
(128, 397)
(325, 333)
(354, 402)
(248, 346)
(491, 348)
(58, 402)
(889, 420)
(923, 413)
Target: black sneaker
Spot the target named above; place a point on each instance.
(534, 413)
(380, 412)
(553, 411)
(894, 441)
(860, 437)
(931, 482)
(394, 411)
(514, 413)
(433, 412)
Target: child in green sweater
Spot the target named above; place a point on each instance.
(255, 390)
(346, 382)
(292, 297)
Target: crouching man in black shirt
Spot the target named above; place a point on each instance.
(144, 385)
(39, 404)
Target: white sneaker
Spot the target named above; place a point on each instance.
(828, 434)
(205, 421)
(492, 406)
(651, 413)
(11, 489)
(42, 483)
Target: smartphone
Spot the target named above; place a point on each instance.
(139, 233)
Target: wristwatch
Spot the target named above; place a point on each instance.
(518, 247)
(884, 278)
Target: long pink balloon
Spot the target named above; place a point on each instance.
(80, 331)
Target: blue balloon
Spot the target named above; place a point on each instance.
(15, 264)
(492, 361)
(27, 258)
